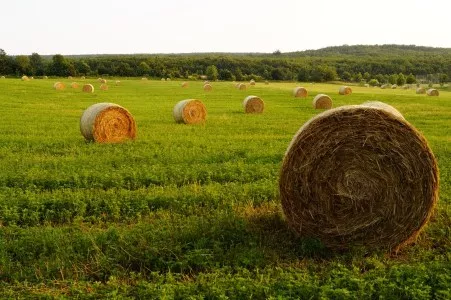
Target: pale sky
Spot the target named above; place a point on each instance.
(181, 26)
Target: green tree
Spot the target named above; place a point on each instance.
(358, 77)
(401, 80)
(410, 79)
(212, 72)
(82, 67)
(393, 78)
(443, 78)
(373, 82)
(366, 76)
(143, 68)
(36, 64)
(60, 66)
(346, 76)
(23, 65)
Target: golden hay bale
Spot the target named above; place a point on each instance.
(75, 85)
(322, 101)
(384, 86)
(394, 86)
(384, 106)
(184, 84)
(252, 82)
(88, 88)
(162, 79)
(190, 111)
(103, 81)
(300, 92)
(207, 87)
(253, 105)
(206, 82)
(3, 77)
(168, 79)
(144, 78)
(421, 90)
(358, 176)
(59, 86)
(237, 85)
(432, 92)
(242, 87)
(107, 123)
(345, 90)
(31, 78)
(118, 82)
(25, 78)
(104, 87)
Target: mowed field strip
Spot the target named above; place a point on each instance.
(189, 210)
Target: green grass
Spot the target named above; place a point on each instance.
(189, 211)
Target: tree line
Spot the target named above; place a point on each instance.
(394, 64)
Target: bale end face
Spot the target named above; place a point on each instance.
(322, 101)
(300, 92)
(345, 90)
(190, 111)
(207, 87)
(88, 88)
(253, 105)
(358, 176)
(432, 92)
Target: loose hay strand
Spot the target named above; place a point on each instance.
(107, 123)
(359, 175)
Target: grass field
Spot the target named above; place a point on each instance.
(189, 211)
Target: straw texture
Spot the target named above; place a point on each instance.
(107, 123)
(345, 90)
(432, 92)
(300, 92)
(322, 101)
(253, 105)
(358, 175)
(189, 111)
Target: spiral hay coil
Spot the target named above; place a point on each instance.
(432, 92)
(359, 175)
(300, 92)
(322, 101)
(253, 105)
(59, 86)
(345, 90)
(88, 88)
(107, 123)
(190, 111)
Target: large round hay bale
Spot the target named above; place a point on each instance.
(253, 105)
(190, 111)
(104, 87)
(432, 92)
(384, 86)
(25, 78)
(118, 82)
(74, 85)
(252, 82)
(421, 90)
(300, 92)
(207, 87)
(3, 77)
(162, 79)
(395, 86)
(266, 82)
(358, 175)
(184, 84)
(88, 88)
(322, 101)
(242, 87)
(366, 85)
(59, 86)
(107, 123)
(345, 90)
(168, 79)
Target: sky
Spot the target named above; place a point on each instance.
(179, 26)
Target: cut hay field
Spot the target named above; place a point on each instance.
(189, 211)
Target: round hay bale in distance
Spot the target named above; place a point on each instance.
(107, 123)
(384, 86)
(74, 85)
(300, 91)
(25, 78)
(190, 111)
(118, 82)
(45, 77)
(421, 90)
(207, 87)
(358, 176)
(242, 87)
(252, 82)
(82, 77)
(253, 105)
(266, 82)
(103, 81)
(59, 86)
(432, 92)
(3, 77)
(345, 90)
(88, 88)
(104, 87)
(184, 84)
(394, 86)
(322, 101)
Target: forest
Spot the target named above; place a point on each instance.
(375, 64)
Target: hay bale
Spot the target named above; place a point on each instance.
(322, 101)
(168, 79)
(3, 77)
(59, 86)
(206, 82)
(237, 85)
(25, 78)
(421, 90)
(144, 78)
(358, 175)
(184, 84)
(366, 85)
(83, 77)
(252, 82)
(242, 87)
(104, 87)
(432, 92)
(384, 106)
(345, 90)
(300, 92)
(88, 88)
(103, 81)
(190, 111)
(394, 86)
(253, 105)
(266, 82)
(207, 87)
(384, 86)
(162, 79)
(107, 123)
(75, 85)
(118, 82)
(99, 79)
(45, 77)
